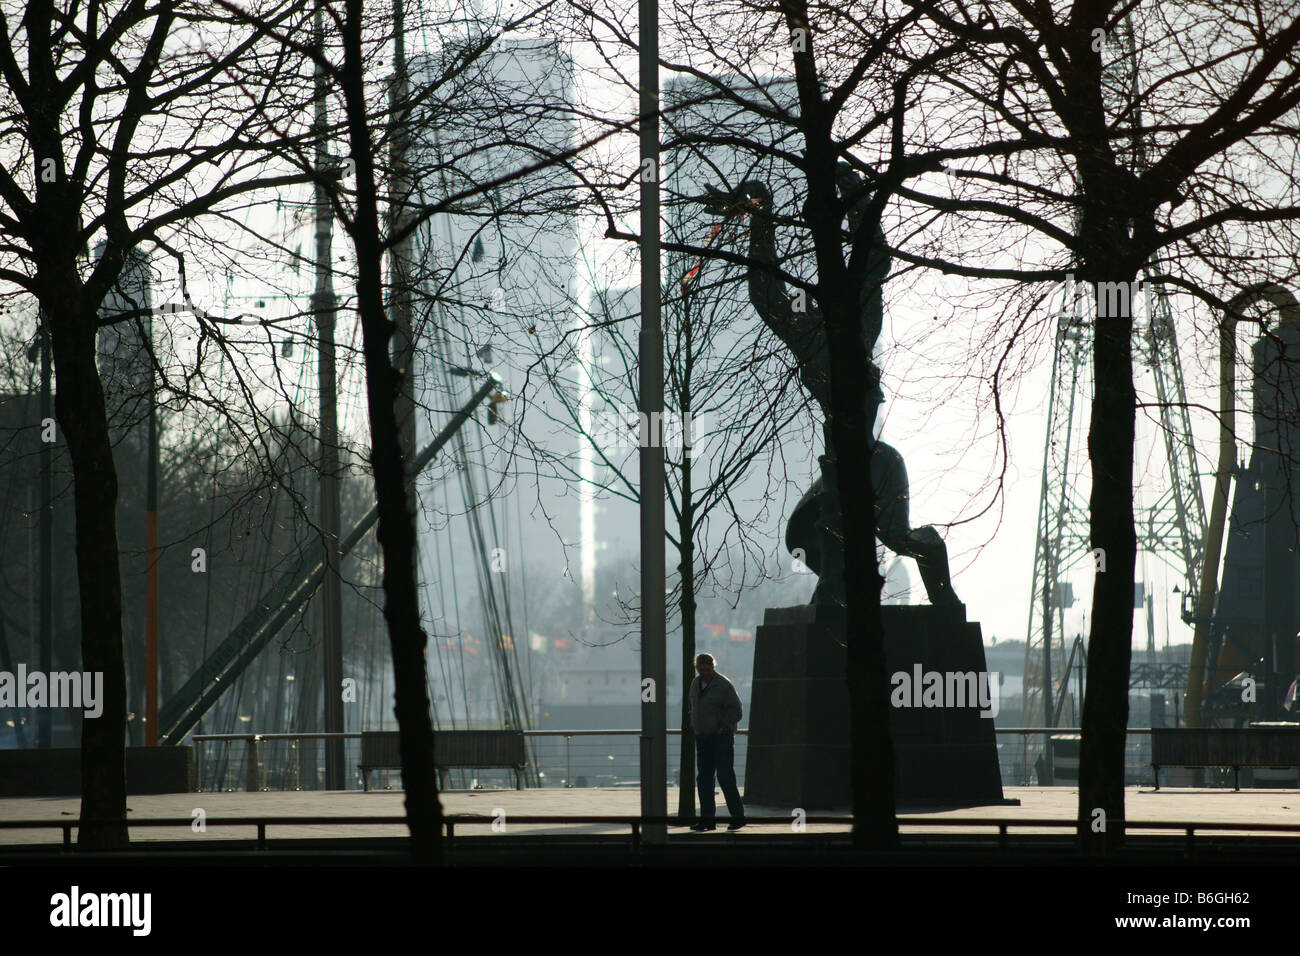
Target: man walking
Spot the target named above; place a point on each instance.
(715, 715)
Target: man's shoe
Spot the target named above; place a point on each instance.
(702, 827)
(735, 824)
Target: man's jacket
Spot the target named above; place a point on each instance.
(715, 710)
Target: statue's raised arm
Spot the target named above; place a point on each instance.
(797, 322)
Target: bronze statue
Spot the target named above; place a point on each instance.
(803, 331)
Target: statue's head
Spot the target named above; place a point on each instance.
(753, 189)
(852, 191)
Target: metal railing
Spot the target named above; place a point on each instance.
(614, 765)
(257, 773)
(1020, 771)
(287, 762)
(630, 755)
(1003, 826)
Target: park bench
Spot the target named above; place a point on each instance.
(452, 749)
(1065, 759)
(1273, 746)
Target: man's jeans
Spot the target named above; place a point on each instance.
(716, 754)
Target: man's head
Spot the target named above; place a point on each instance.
(704, 666)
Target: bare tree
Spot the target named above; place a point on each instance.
(1113, 176)
(729, 403)
(368, 122)
(843, 67)
(88, 160)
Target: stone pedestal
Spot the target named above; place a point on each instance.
(798, 752)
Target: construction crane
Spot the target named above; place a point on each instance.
(1173, 528)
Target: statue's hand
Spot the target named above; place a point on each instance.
(719, 202)
(736, 202)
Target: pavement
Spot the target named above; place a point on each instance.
(206, 810)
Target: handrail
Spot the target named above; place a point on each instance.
(1138, 731)
(611, 819)
(253, 762)
(636, 823)
(317, 735)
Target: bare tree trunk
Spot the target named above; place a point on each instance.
(1110, 447)
(847, 481)
(82, 415)
(872, 768)
(396, 531)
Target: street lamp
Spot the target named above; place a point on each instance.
(40, 349)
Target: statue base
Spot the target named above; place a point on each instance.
(799, 750)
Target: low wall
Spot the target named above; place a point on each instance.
(56, 772)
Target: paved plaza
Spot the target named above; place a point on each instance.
(1144, 805)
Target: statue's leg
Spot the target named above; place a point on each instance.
(932, 561)
(889, 479)
(803, 534)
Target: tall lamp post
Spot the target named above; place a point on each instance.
(41, 349)
(151, 562)
(654, 660)
(324, 306)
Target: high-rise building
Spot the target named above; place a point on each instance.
(498, 527)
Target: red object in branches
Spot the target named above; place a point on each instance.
(738, 214)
